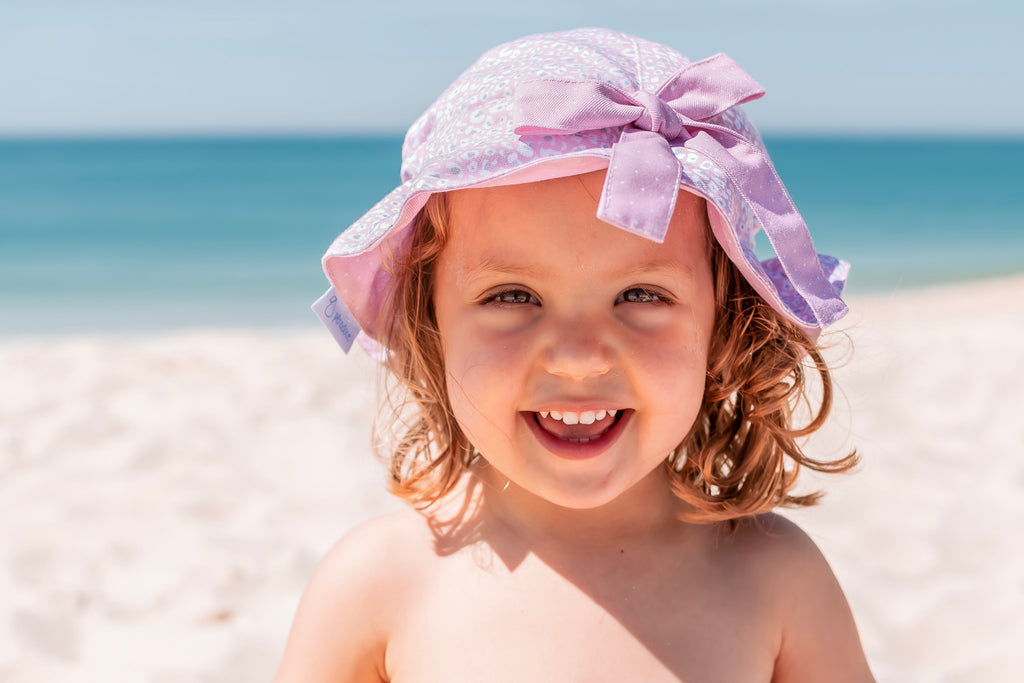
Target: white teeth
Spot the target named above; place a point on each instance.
(587, 417)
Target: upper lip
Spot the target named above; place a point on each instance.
(576, 406)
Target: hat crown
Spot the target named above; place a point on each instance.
(470, 125)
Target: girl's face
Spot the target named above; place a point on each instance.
(575, 352)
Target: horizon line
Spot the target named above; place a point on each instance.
(377, 134)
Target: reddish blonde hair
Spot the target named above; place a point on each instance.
(741, 457)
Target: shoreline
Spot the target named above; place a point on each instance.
(179, 487)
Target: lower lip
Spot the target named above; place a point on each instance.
(571, 450)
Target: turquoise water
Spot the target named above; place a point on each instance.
(157, 234)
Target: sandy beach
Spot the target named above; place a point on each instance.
(164, 499)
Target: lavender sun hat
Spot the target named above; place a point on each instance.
(559, 104)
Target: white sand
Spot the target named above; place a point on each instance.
(164, 500)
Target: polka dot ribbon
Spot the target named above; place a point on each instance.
(643, 176)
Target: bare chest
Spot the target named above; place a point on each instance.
(473, 622)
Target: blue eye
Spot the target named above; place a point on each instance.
(640, 295)
(513, 296)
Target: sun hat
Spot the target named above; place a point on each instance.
(559, 104)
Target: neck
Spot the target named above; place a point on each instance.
(646, 512)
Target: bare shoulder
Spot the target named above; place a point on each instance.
(340, 631)
(778, 543)
(818, 636)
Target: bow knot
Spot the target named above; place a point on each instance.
(657, 115)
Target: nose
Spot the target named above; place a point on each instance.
(577, 351)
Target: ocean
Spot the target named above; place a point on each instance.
(141, 235)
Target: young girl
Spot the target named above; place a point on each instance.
(594, 382)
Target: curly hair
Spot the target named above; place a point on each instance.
(741, 456)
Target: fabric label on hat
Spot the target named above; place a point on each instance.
(336, 318)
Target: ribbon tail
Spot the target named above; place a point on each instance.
(642, 184)
(748, 167)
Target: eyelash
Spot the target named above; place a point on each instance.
(654, 297)
(511, 297)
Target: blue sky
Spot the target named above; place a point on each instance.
(311, 66)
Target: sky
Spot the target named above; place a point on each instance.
(139, 67)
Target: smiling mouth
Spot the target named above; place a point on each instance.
(578, 427)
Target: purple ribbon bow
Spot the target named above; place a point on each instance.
(643, 178)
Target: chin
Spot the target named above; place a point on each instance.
(583, 495)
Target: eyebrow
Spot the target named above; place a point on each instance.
(494, 264)
(657, 267)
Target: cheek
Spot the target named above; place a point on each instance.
(674, 373)
(680, 379)
(477, 356)
(484, 377)
(465, 395)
